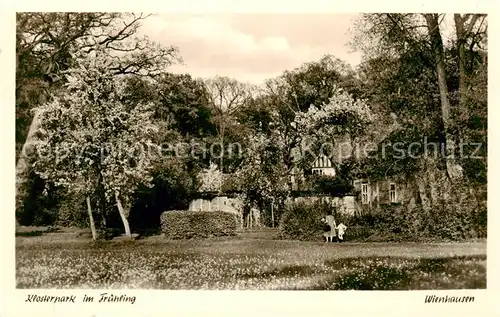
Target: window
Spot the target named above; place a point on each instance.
(317, 172)
(392, 193)
(364, 193)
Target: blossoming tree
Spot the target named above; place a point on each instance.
(92, 141)
(211, 178)
(341, 116)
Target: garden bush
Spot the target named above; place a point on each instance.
(73, 212)
(387, 223)
(455, 225)
(358, 233)
(302, 221)
(34, 206)
(390, 223)
(456, 215)
(181, 224)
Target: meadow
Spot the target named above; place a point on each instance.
(58, 260)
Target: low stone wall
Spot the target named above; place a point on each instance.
(226, 204)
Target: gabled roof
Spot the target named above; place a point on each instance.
(323, 162)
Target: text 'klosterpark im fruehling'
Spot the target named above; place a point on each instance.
(101, 298)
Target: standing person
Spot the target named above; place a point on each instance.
(330, 221)
(341, 230)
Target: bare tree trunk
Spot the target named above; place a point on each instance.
(223, 128)
(463, 31)
(430, 179)
(272, 214)
(123, 215)
(454, 170)
(221, 165)
(423, 194)
(91, 220)
(21, 164)
(241, 220)
(251, 218)
(459, 28)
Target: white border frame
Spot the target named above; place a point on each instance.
(248, 303)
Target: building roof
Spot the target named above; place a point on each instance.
(323, 162)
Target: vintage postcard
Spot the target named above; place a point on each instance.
(229, 160)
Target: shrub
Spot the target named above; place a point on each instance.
(481, 222)
(452, 220)
(197, 224)
(73, 212)
(447, 223)
(302, 221)
(358, 233)
(452, 224)
(33, 206)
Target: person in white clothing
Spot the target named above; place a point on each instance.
(341, 228)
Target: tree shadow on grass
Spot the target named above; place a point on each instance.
(390, 273)
(37, 233)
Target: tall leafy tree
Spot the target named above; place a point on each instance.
(187, 130)
(471, 31)
(227, 96)
(417, 38)
(295, 91)
(414, 75)
(273, 139)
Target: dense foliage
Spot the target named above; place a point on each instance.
(396, 223)
(303, 221)
(334, 186)
(387, 223)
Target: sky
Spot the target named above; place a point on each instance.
(251, 47)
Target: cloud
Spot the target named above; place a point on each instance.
(249, 47)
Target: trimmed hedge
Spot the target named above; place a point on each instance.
(182, 224)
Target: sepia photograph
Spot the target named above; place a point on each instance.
(251, 151)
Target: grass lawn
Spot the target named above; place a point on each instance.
(58, 260)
